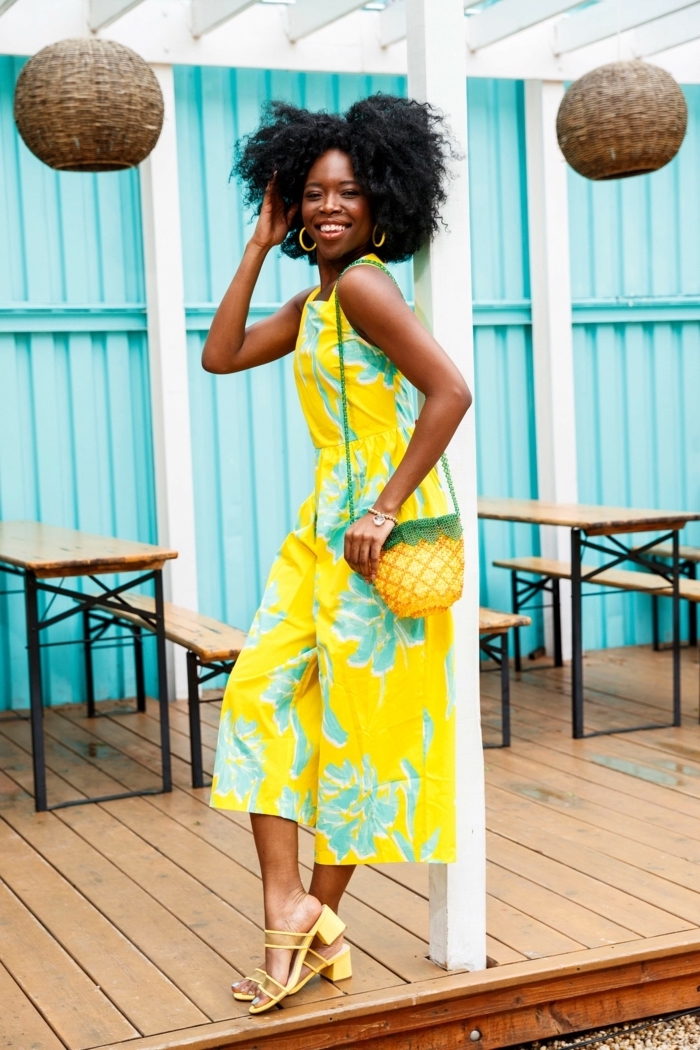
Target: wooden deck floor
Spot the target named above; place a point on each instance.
(124, 923)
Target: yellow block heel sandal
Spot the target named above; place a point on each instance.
(337, 968)
(327, 928)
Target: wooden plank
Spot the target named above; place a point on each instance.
(593, 804)
(22, 1024)
(498, 954)
(81, 1014)
(600, 897)
(523, 933)
(656, 803)
(554, 986)
(210, 639)
(179, 953)
(493, 622)
(594, 519)
(580, 923)
(665, 550)
(618, 862)
(136, 987)
(621, 579)
(48, 550)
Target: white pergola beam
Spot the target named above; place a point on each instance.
(675, 29)
(104, 12)
(442, 269)
(552, 337)
(208, 14)
(508, 17)
(5, 4)
(392, 23)
(606, 19)
(307, 16)
(167, 355)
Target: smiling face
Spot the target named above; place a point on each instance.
(334, 210)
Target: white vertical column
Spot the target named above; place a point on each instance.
(437, 74)
(552, 337)
(167, 347)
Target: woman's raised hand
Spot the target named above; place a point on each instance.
(274, 221)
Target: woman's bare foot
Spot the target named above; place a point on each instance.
(296, 915)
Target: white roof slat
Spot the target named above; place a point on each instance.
(668, 32)
(605, 19)
(508, 17)
(208, 14)
(392, 23)
(307, 16)
(104, 12)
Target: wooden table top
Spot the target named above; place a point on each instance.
(50, 551)
(593, 519)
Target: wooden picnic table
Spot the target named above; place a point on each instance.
(598, 528)
(40, 553)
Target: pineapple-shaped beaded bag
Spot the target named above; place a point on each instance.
(421, 566)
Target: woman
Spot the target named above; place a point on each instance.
(338, 715)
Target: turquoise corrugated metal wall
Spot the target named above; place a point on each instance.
(635, 265)
(74, 406)
(251, 449)
(75, 431)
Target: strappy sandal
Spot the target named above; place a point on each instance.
(328, 927)
(337, 968)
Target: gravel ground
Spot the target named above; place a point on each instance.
(675, 1033)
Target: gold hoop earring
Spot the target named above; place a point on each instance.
(377, 244)
(302, 231)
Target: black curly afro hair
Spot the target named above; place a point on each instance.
(399, 150)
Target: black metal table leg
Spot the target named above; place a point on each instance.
(162, 683)
(195, 723)
(505, 692)
(35, 692)
(656, 644)
(516, 610)
(692, 611)
(556, 614)
(676, 634)
(138, 670)
(89, 677)
(576, 639)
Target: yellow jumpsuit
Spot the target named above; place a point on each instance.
(339, 715)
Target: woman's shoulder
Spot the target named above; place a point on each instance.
(364, 284)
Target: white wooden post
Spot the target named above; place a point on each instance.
(552, 337)
(167, 346)
(437, 74)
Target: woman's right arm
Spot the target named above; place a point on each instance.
(230, 346)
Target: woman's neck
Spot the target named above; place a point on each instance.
(329, 270)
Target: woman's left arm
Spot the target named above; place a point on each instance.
(376, 310)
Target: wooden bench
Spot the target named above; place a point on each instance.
(212, 649)
(493, 641)
(548, 569)
(688, 559)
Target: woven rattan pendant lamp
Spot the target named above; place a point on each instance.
(622, 119)
(88, 105)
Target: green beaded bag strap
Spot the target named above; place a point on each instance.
(412, 532)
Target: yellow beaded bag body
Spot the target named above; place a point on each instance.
(421, 565)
